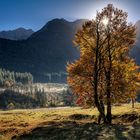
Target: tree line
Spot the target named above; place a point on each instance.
(9, 78)
(29, 96)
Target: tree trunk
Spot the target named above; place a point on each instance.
(101, 111)
(98, 105)
(108, 80)
(109, 115)
(108, 90)
(96, 76)
(100, 115)
(133, 102)
(96, 96)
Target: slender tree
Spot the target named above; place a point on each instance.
(104, 45)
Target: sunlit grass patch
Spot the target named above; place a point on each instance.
(20, 122)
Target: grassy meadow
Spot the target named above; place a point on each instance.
(70, 123)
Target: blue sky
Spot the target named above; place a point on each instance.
(35, 13)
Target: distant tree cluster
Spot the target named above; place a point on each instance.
(8, 78)
(40, 96)
(29, 96)
(13, 100)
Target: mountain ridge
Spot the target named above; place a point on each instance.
(16, 34)
(45, 51)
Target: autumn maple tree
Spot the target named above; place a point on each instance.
(104, 73)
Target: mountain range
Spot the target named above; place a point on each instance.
(17, 34)
(46, 52)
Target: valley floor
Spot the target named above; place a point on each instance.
(70, 123)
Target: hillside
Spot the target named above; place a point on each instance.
(45, 52)
(136, 50)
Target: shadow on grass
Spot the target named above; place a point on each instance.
(71, 130)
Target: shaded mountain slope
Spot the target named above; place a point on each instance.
(46, 51)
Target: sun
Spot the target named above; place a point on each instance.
(105, 21)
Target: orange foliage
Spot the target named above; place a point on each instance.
(104, 54)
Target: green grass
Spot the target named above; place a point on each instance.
(69, 123)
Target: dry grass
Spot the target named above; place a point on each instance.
(19, 122)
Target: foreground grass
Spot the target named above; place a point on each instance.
(69, 123)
